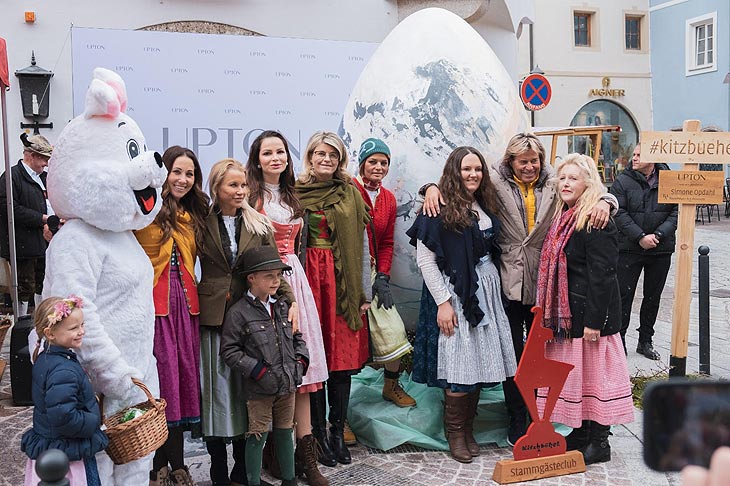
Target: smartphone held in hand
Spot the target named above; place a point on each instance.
(684, 422)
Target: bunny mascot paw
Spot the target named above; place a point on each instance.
(105, 183)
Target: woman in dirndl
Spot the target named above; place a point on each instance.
(231, 227)
(387, 331)
(271, 187)
(171, 243)
(338, 271)
(463, 339)
(579, 293)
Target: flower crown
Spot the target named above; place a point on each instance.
(63, 309)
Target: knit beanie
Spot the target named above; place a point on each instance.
(373, 146)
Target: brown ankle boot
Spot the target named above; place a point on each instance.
(305, 459)
(161, 477)
(471, 412)
(393, 392)
(269, 461)
(455, 410)
(181, 477)
(349, 435)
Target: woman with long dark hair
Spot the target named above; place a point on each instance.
(171, 243)
(463, 340)
(271, 191)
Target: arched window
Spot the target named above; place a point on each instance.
(616, 147)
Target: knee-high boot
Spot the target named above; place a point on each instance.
(318, 404)
(455, 410)
(598, 449)
(471, 413)
(338, 388)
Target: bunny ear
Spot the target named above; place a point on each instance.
(107, 95)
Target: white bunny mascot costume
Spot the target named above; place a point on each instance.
(105, 183)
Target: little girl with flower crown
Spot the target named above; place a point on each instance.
(66, 415)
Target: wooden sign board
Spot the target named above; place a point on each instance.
(686, 147)
(690, 186)
(508, 471)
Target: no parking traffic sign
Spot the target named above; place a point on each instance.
(535, 92)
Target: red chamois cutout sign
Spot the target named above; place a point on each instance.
(535, 371)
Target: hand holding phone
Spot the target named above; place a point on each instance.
(718, 474)
(685, 421)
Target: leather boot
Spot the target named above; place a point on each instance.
(393, 392)
(598, 449)
(181, 477)
(455, 410)
(578, 439)
(349, 435)
(339, 399)
(305, 457)
(318, 404)
(270, 461)
(471, 413)
(161, 477)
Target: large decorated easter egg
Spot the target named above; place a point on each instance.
(433, 84)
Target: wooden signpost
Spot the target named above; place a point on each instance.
(687, 188)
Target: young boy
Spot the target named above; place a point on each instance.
(259, 343)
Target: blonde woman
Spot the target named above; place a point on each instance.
(338, 271)
(231, 227)
(579, 293)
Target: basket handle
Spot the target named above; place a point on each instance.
(146, 391)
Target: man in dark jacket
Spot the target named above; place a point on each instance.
(31, 213)
(646, 242)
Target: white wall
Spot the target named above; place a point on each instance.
(49, 36)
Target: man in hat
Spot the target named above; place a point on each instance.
(30, 208)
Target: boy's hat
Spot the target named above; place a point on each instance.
(260, 259)
(372, 146)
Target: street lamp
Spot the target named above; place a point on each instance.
(35, 94)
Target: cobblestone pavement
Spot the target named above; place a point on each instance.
(410, 466)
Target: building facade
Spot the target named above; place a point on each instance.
(691, 62)
(596, 55)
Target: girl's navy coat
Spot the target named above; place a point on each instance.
(66, 415)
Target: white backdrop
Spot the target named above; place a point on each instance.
(215, 93)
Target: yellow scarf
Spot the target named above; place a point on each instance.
(159, 253)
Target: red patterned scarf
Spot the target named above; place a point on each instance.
(370, 185)
(552, 279)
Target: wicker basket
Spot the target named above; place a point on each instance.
(140, 436)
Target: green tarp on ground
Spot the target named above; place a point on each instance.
(382, 425)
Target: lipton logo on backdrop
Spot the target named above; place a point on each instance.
(331, 113)
(307, 94)
(206, 91)
(355, 58)
(178, 70)
(179, 110)
(331, 76)
(206, 52)
(123, 69)
(232, 111)
(307, 56)
(257, 92)
(231, 72)
(257, 54)
(151, 89)
(151, 49)
(95, 47)
(282, 74)
(234, 140)
(282, 112)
